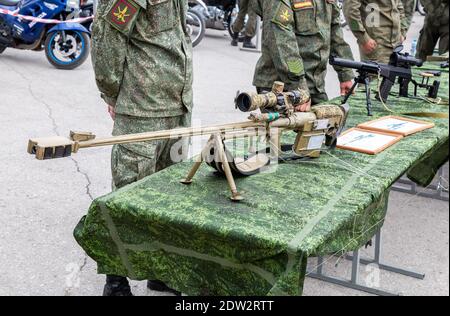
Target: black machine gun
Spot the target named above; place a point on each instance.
(398, 69)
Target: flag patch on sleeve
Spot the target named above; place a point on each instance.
(284, 15)
(123, 12)
(303, 4)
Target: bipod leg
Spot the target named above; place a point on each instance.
(197, 164)
(220, 151)
(369, 102)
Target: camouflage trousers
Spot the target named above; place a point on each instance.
(133, 162)
(435, 30)
(381, 54)
(250, 28)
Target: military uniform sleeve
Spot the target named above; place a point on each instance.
(111, 29)
(403, 19)
(257, 7)
(353, 15)
(339, 47)
(285, 52)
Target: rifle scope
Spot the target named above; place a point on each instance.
(276, 100)
(368, 67)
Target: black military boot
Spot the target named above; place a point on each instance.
(159, 286)
(235, 39)
(248, 43)
(117, 286)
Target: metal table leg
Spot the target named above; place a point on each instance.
(351, 284)
(382, 266)
(437, 192)
(354, 282)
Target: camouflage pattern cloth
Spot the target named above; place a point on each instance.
(245, 8)
(298, 38)
(132, 162)
(142, 57)
(380, 20)
(435, 29)
(409, 7)
(195, 240)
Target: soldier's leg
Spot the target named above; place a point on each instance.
(130, 163)
(250, 27)
(444, 41)
(239, 23)
(381, 54)
(428, 39)
(444, 34)
(174, 150)
(128, 167)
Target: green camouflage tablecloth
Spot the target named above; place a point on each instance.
(199, 242)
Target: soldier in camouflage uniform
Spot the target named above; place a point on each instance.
(379, 26)
(142, 57)
(298, 38)
(435, 28)
(245, 8)
(409, 7)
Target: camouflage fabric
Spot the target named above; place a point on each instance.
(245, 8)
(380, 20)
(298, 38)
(132, 162)
(409, 7)
(197, 241)
(435, 29)
(142, 57)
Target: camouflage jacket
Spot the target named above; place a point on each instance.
(435, 7)
(409, 7)
(142, 57)
(298, 38)
(381, 20)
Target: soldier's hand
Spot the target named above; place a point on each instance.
(112, 112)
(346, 87)
(305, 107)
(369, 46)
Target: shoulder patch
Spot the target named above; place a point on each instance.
(295, 66)
(123, 13)
(302, 4)
(283, 15)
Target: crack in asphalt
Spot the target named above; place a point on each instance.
(55, 129)
(86, 176)
(47, 106)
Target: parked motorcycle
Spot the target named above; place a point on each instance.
(66, 44)
(215, 14)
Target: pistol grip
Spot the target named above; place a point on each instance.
(385, 89)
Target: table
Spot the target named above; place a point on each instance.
(198, 242)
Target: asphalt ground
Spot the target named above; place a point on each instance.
(41, 202)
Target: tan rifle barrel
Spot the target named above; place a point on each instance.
(175, 133)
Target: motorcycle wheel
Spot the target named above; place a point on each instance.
(196, 27)
(420, 8)
(69, 54)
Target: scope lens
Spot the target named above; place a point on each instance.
(244, 102)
